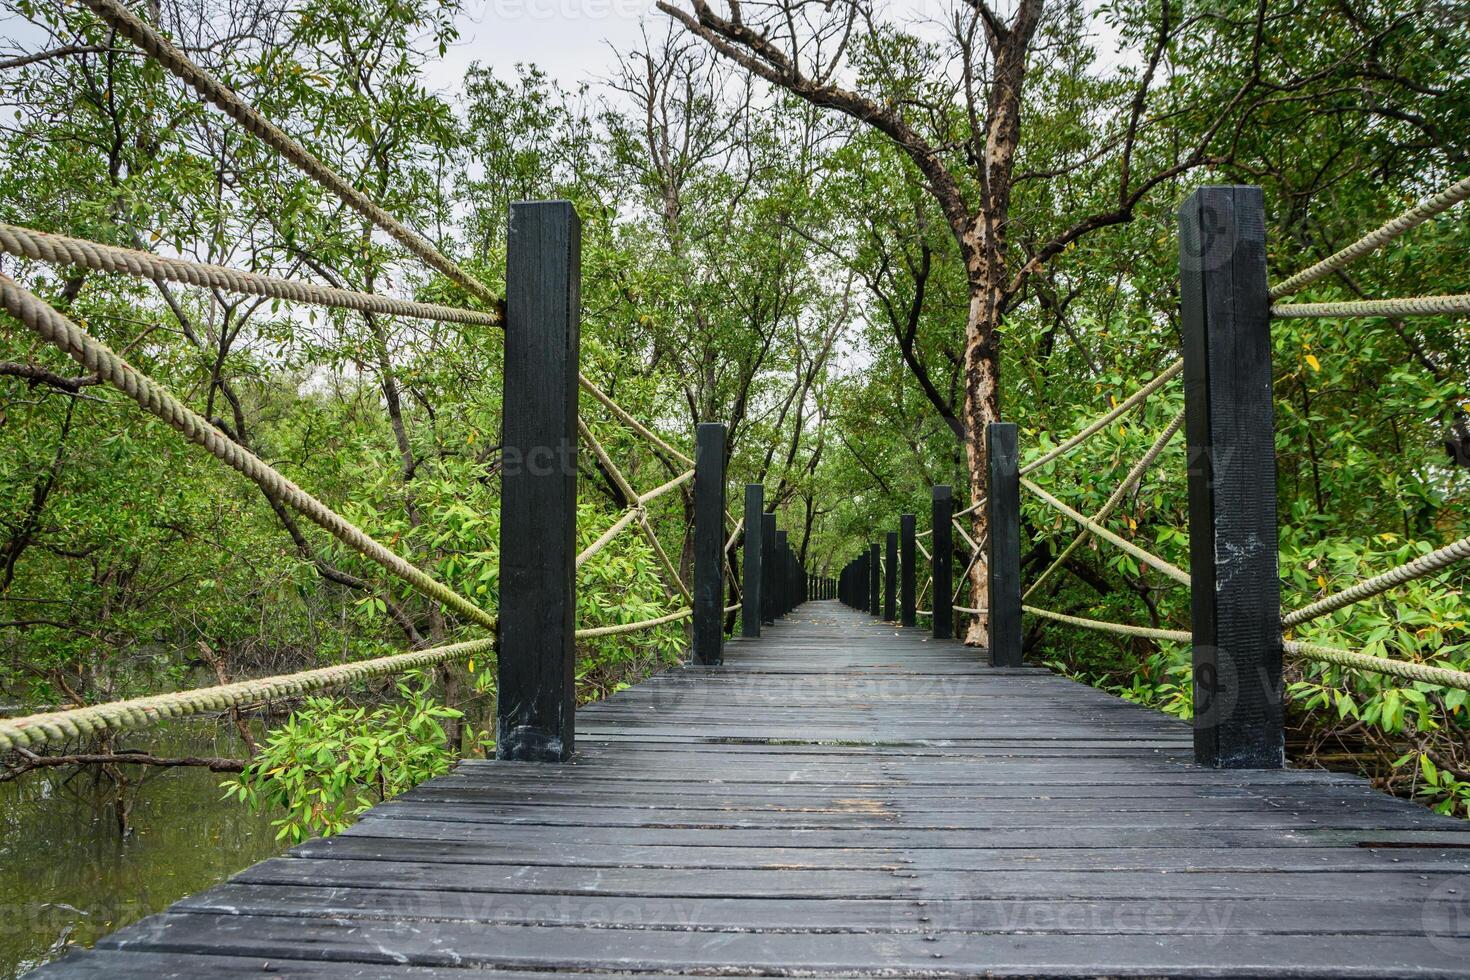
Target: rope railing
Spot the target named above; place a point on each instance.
(1425, 565)
(1415, 216)
(1153, 561)
(222, 97)
(95, 356)
(621, 628)
(63, 250)
(630, 421)
(1421, 567)
(1135, 475)
(1123, 408)
(58, 726)
(98, 358)
(1093, 526)
(1455, 305)
(1407, 670)
(1153, 633)
(639, 514)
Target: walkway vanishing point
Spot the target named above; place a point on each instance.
(846, 798)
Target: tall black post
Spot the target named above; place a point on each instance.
(783, 574)
(1236, 591)
(875, 584)
(750, 593)
(862, 581)
(906, 530)
(890, 577)
(941, 540)
(1003, 504)
(709, 544)
(538, 500)
(768, 559)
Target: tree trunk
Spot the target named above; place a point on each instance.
(982, 406)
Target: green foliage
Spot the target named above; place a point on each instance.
(332, 759)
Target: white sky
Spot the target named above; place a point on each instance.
(572, 40)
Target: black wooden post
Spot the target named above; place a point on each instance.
(709, 543)
(941, 540)
(768, 559)
(906, 526)
(861, 573)
(783, 574)
(890, 577)
(875, 585)
(1236, 591)
(1003, 503)
(538, 501)
(750, 593)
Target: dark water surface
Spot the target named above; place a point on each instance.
(67, 878)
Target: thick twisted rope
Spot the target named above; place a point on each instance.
(1417, 215)
(227, 101)
(1175, 636)
(1129, 482)
(1132, 401)
(1153, 561)
(1408, 306)
(1420, 567)
(588, 634)
(101, 360)
(639, 514)
(630, 515)
(974, 545)
(58, 726)
(968, 609)
(969, 510)
(630, 421)
(1443, 676)
(62, 250)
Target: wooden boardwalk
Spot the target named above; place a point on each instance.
(846, 799)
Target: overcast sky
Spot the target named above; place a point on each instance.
(572, 39)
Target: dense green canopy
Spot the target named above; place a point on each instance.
(752, 254)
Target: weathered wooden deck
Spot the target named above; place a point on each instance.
(844, 798)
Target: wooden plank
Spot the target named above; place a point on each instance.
(472, 946)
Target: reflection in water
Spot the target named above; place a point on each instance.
(67, 880)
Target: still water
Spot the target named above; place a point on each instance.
(66, 876)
